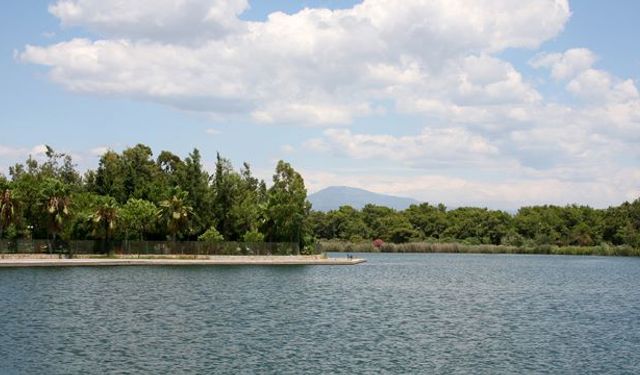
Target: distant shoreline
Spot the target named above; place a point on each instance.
(459, 248)
(43, 260)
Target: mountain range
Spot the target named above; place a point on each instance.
(333, 197)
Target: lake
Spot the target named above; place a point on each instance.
(397, 314)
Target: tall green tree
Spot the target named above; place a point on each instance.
(430, 220)
(109, 178)
(287, 206)
(247, 209)
(176, 214)
(194, 180)
(105, 218)
(7, 210)
(138, 216)
(226, 184)
(55, 204)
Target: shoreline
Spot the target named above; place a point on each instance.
(37, 260)
(461, 248)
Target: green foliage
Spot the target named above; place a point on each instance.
(176, 214)
(105, 217)
(54, 203)
(133, 195)
(287, 207)
(7, 210)
(253, 236)
(539, 227)
(211, 235)
(138, 217)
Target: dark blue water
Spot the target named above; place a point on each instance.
(399, 314)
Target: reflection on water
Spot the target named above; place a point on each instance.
(423, 313)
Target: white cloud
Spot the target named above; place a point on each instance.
(452, 145)
(8, 151)
(317, 66)
(38, 150)
(565, 65)
(98, 151)
(601, 86)
(288, 149)
(212, 131)
(437, 59)
(164, 20)
(508, 194)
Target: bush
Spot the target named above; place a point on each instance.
(211, 235)
(253, 236)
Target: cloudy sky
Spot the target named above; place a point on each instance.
(496, 103)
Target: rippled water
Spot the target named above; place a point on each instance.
(400, 314)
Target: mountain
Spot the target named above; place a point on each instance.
(333, 197)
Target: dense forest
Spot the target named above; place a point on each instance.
(530, 227)
(132, 195)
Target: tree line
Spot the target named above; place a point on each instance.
(571, 225)
(132, 195)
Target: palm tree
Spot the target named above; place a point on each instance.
(105, 217)
(7, 210)
(175, 213)
(56, 207)
(58, 210)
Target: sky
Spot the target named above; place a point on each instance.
(489, 103)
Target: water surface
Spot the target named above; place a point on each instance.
(400, 314)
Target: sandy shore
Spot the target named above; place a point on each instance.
(159, 260)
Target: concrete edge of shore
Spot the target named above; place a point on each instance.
(173, 261)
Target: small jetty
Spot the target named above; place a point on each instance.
(159, 260)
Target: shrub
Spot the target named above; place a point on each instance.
(211, 235)
(253, 236)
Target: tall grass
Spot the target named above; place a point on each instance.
(453, 247)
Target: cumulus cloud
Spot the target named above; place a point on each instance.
(438, 59)
(509, 194)
(317, 66)
(450, 145)
(165, 20)
(567, 64)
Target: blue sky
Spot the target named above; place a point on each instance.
(484, 104)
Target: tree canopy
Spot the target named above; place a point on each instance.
(131, 195)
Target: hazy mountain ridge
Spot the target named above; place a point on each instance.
(333, 197)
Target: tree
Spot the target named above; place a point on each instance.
(55, 203)
(430, 220)
(140, 174)
(287, 206)
(193, 179)
(374, 217)
(346, 223)
(247, 207)
(105, 218)
(138, 216)
(109, 178)
(226, 183)
(60, 166)
(398, 229)
(7, 210)
(175, 213)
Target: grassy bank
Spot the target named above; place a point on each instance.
(429, 247)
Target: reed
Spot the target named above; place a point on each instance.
(455, 247)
